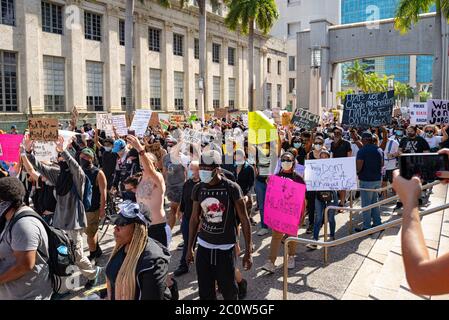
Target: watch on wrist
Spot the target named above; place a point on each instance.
(142, 152)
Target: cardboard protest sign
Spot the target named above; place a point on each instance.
(164, 120)
(284, 205)
(10, 147)
(418, 113)
(192, 136)
(286, 118)
(177, 118)
(305, 119)
(154, 120)
(437, 111)
(221, 113)
(261, 129)
(140, 122)
(104, 122)
(331, 174)
(364, 110)
(119, 122)
(43, 129)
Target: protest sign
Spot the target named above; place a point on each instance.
(164, 120)
(192, 136)
(305, 119)
(276, 115)
(286, 118)
(261, 129)
(119, 122)
(154, 120)
(140, 122)
(196, 126)
(43, 129)
(284, 203)
(364, 110)
(418, 113)
(10, 147)
(46, 150)
(221, 113)
(245, 119)
(437, 111)
(193, 118)
(177, 118)
(104, 122)
(331, 174)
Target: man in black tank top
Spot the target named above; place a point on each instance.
(98, 203)
(218, 201)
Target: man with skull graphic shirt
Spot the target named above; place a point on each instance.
(217, 202)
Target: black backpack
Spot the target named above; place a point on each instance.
(325, 196)
(57, 262)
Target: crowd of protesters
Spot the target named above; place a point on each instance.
(206, 186)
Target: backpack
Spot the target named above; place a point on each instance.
(58, 242)
(325, 196)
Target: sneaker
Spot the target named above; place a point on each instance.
(291, 263)
(180, 246)
(92, 283)
(243, 289)
(181, 271)
(269, 267)
(263, 232)
(312, 247)
(309, 230)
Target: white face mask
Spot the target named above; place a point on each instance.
(286, 166)
(206, 176)
(107, 149)
(240, 162)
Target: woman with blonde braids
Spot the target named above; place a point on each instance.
(138, 267)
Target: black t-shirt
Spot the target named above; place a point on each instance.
(286, 145)
(340, 149)
(416, 145)
(302, 154)
(219, 217)
(186, 205)
(113, 268)
(108, 163)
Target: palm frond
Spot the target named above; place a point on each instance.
(408, 11)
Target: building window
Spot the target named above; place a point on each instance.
(291, 85)
(179, 90)
(8, 14)
(197, 49)
(94, 77)
(216, 7)
(154, 39)
(279, 67)
(123, 85)
(269, 65)
(231, 56)
(178, 44)
(268, 95)
(54, 84)
(121, 32)
(279, 94)
(291, 63)
(216, 52)
(51, 18)
(8, 81)
(92, 26)
(155, 89)
(216, 92)
(293, 28)
(231, 93)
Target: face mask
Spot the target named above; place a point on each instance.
(85, 163)
(399, 132)
(4, 206)
(430, 135)
(107, 149)
(240, 162)
(317, 147)
(206, 176)
(168, 149)
(297, 145)
(411, 135)
(286, 166)
(190, 174)
(129, 195)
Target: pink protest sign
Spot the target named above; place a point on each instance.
(9, 147)
(284, 203)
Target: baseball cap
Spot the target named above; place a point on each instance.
(13, 126)
(129, 213)
(119, 145)
(88, 152)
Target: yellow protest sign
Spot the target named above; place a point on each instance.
(261, 129)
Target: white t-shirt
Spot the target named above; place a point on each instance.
(433, 142)
(327, 143)
(355, 148)
(391, 147)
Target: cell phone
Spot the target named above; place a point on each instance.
(423, 165)
(132, 132)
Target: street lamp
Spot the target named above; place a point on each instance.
(390, 84)
(316, 57)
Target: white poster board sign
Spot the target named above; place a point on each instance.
(331, 174)
(119, 122)
(140, 122)
(192, 136)
(104, 122)
(437, 111)
(46, 150)
(418, 113)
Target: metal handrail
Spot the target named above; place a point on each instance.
(325, 244)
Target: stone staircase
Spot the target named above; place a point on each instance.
(381, 275)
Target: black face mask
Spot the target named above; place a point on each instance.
(63, 165)
(129, 195)
(85, 163)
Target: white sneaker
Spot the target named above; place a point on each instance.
(269, 267)
(263, 232)
(291, 263)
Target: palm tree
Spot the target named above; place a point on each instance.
(356, 75)
(408, 13)
(246, 15)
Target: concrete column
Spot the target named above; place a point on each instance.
(168, 102)
(31, 62)
(112, 79)
(239, 79)
(412, 78)
(261, 86)
(142, 78)
(224, 73)
(209, 76)
(189, 70)
(304, 79)
(445, 78)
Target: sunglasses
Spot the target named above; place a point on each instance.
(429, 131)
(286, 160)
(318, 143)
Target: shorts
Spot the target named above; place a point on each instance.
(388, 176)
(93, 222)
(174, 194)
(161, 233)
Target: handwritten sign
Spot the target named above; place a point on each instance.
(305, 119)
(437, 111)
(284, 203)
(104, 122)
(192, 136)
(164, 120)
(46, 150)
(154, 121)
(196, 126)
(418, 113)
(140, 122)
(119, 122)
(177, 118)
(221, 113)
(331, 174)
(10, 147)
(368, 109)
(43, 129)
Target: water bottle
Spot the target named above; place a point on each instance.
(63, 256)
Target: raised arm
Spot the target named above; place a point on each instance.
(50, 173)
(149, 169)
(75, 169)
